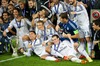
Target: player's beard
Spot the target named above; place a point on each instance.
(5, 20)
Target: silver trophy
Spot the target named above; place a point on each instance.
(14, 45)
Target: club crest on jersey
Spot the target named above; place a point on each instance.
(62, 44)
(61, 47)
(67, 28)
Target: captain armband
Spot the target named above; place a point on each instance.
(76, 32)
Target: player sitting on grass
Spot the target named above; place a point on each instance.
(64, 48)
(36, 46)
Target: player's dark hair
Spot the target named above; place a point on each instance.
(97, 22)
(5, 12)
(55, 36)
(19, 11)
(64, 15)
(33, 31)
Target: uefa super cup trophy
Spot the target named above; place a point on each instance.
(14, 45)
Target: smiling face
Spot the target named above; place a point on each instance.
(5, 16)
(21, 4)
(15, 13)
(30, 4)
(32, 35)
(40, 25)
(55, 39)
(4, 3)
(10, 8)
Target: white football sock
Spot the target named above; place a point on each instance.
(82, 51)
(28, 53)
(89, 46)
(75, 59)
(83, 44)
(50, 58)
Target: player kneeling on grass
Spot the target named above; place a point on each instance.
(36, 46)
(63, 49)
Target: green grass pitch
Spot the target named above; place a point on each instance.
(36, 61)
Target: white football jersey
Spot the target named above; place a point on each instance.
(48, 22)
(58, 9)
(23, 30)
(64, 48)
(38, 48)
(81, 17)
(46, 34)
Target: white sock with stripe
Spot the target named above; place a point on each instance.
(82, 51)
(89, 47)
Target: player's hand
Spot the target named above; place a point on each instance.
(29, 46)
(50, 43)
(44, 20)
(57, 28)
(64, 35)
(44, 43)
(4, 33)
(11, 3)
(72, 13)
(35, 15)
(21, 50)
(79, 3)
(69, 36)
(49, 26)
